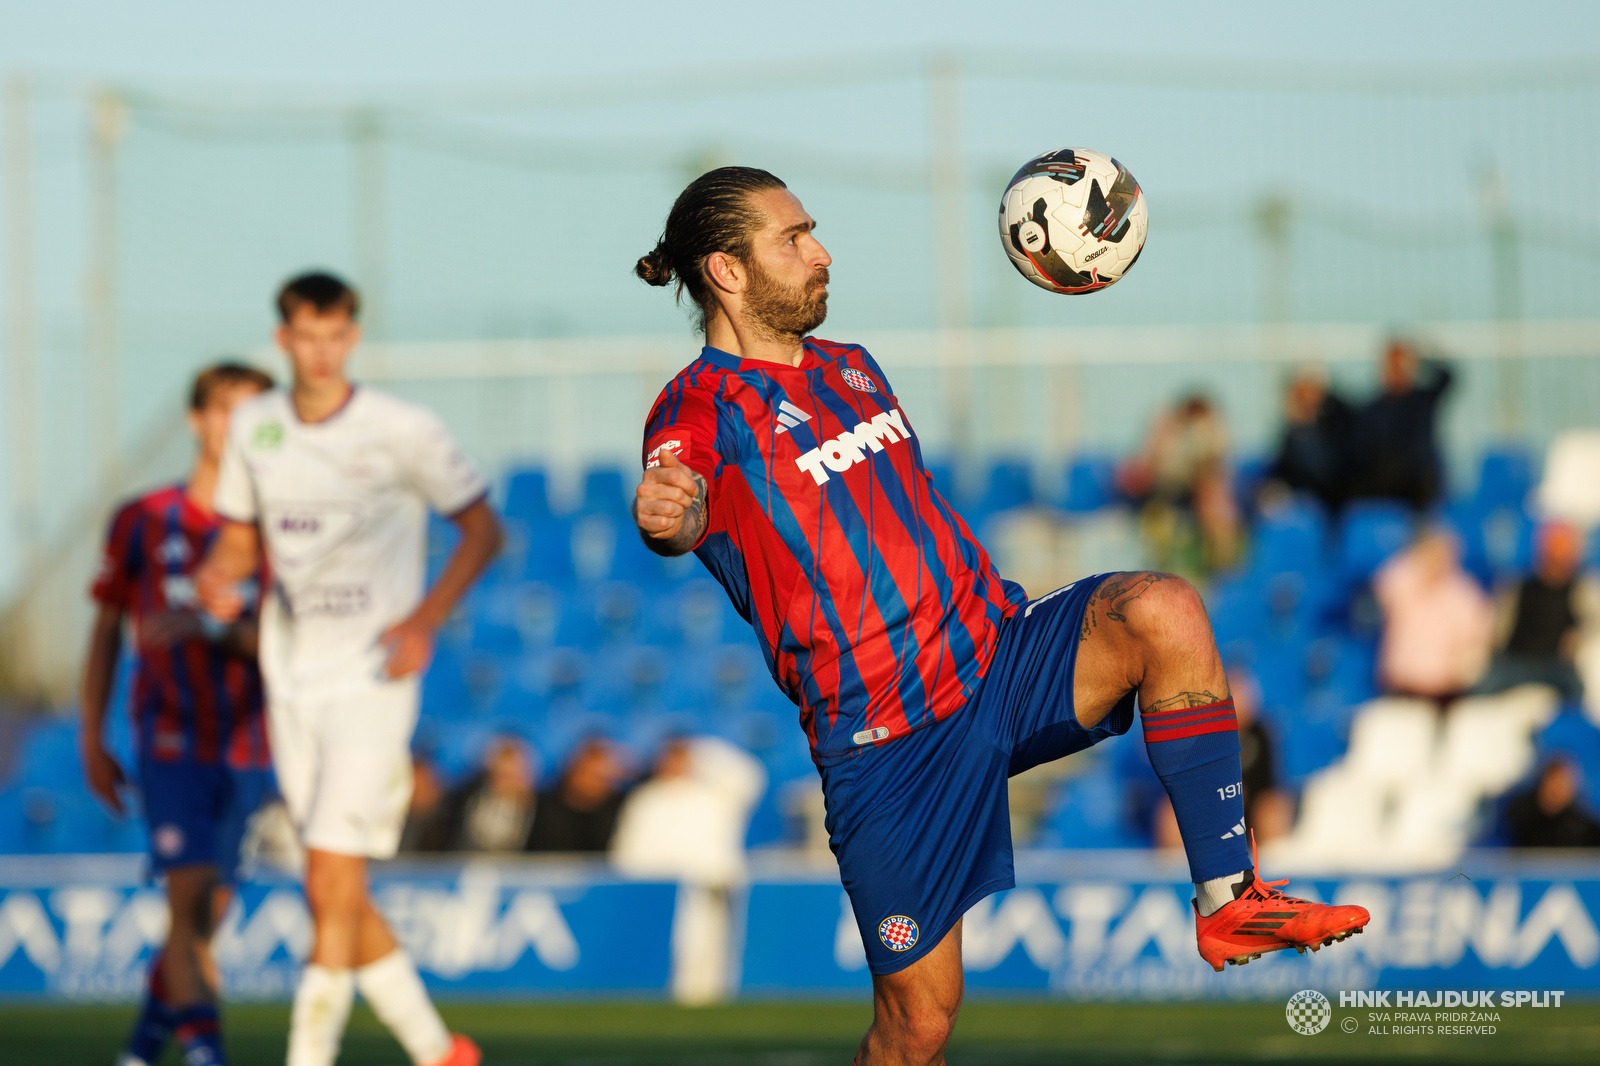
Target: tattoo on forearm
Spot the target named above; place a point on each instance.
(1186, 699)
(1113, 597)
(694, 524)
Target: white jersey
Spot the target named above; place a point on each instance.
(342, 506)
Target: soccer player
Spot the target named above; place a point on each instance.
(923, 679)
(331, 483)
(197, 714)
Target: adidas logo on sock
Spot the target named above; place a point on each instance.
(790, 416)
(1236, 831)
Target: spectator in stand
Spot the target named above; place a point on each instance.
(1394, 446)
(1438, 625)
(1180, 471)
(1541, 618)
(426, 828)
(1313, 454)
(493, 809)
(688, 823)
(580, 812)
(1548, 815)
(1268, 810)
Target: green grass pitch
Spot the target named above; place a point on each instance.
(801, 1034)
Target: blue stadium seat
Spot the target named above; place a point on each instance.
(606, 491)
(1010, 484)
(697, 612)
(1496, 540)
(1505, 477)
(547, 551)
(1089, 484)
(1089, 811)
(527, 495)
(1290, 538)
(1370, 532)
(1571, 734)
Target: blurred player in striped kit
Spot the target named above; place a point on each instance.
(202, 762)
(330, 484)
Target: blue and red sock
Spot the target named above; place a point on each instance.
(200, 1034)
(154, 1026)
(1195, 752)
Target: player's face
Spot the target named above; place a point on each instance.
(787, 292)
(318, 345)
(210, 423)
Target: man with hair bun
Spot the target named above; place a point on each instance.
(923, 679)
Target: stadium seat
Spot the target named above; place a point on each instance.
(547, 555)
(1431, 822)
(1488, 740)
(606, 491)
(527, 495)
(1571, 735)
(1392, 741)
(1089, 811)
(1370, 532)
(1009, 484)
(697, 612)
(1088, 484)
(1341, 818)
(1290, 539)
(1505, 478)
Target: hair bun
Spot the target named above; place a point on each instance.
(655, 268)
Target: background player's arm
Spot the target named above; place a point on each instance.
(410, 642)
(100, 769)
(671, 506)
(234, 556)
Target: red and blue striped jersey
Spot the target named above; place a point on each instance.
(194, 699)
(875, 606)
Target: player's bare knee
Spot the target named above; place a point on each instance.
(927, 1030)
(1158, 609)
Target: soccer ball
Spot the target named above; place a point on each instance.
(1073, 220)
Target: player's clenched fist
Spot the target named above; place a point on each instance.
(670, 506)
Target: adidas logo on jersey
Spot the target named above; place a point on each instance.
(790, 416)
(850, 447)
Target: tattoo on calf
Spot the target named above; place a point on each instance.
(1114, 595)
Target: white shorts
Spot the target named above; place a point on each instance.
(343, 761)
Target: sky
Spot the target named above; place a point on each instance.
(201, 288)
(407, 42)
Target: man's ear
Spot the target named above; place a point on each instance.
(725, 272)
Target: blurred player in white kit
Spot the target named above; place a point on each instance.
(333, 483)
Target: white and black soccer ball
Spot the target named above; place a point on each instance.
(1073, 220)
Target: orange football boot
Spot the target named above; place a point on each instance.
(463, 1052)
(1262, 919)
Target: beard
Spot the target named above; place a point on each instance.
(784, 311)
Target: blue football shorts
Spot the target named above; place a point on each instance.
(921, 826)
(197, 813)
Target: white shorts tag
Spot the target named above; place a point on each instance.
(867, 736)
